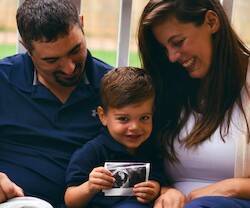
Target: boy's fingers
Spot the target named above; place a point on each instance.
(144, 184)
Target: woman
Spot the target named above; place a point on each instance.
(201, 70)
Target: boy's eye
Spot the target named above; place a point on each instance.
(122, 118)
(145, 118)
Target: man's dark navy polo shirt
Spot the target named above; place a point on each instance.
(38, 133)
(105, 149)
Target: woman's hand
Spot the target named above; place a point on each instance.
(100, 178)
(170, 198)
(8, 189)
(233, 187)
(146, 192)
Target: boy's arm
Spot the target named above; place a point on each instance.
(147, 191)
(79, 196)
(84, 176)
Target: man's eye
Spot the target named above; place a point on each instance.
(51, 61)
(74, 52)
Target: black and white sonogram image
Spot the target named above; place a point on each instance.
(126, 176)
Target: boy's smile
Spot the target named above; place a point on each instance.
(130, 125)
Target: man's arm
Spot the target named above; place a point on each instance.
(8, 189)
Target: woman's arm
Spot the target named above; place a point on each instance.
(233, 187)
(170, 197)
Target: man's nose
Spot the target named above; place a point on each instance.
(68, 66)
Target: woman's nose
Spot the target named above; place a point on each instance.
(173, 55)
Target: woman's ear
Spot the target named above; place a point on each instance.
(102, 115)
(81, 20)
(212, 20)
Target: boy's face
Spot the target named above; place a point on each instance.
(130, 125)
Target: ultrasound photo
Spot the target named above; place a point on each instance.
(126, 176)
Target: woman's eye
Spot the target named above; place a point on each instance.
(178, 43)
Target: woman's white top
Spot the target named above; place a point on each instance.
(214, 160)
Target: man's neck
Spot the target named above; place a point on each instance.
(62, 93)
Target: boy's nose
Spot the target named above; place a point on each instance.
(133, 126)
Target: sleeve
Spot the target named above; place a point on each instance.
(157, 172)
(82, 162)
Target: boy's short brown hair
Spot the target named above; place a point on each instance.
(125, 85)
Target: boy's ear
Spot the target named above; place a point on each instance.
(212, 21)
(102, 115)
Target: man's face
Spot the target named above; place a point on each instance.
(60, 63)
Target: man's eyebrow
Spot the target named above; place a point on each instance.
(57, 57)
(50, 58)
(77, 46)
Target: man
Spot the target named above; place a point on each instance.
(48, 101)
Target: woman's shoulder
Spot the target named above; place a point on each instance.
(248, 75)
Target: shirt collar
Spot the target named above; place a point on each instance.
(24, 76)
(111, 143)
(84, 78)
(115, 146)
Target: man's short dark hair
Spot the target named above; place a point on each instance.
(45, 20)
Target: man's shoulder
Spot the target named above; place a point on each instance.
(14, 59)
(101, 64)
(13, 63)
(95, 69)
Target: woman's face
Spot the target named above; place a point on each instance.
(188, 44)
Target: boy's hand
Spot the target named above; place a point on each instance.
(100, 178)
(146, 192)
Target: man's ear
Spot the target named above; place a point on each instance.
(25, 46)
(212, 20)
(102, 115)
(81, 20)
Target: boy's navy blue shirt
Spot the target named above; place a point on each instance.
(38, 133)
(105, 149)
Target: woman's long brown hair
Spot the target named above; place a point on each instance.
(178, 95)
